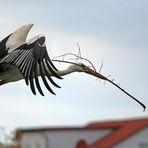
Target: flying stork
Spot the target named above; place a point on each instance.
(21, 59)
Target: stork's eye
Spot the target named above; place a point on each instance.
(8, 48)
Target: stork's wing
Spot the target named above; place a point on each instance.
(33, 61)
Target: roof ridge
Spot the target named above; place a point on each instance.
(127, 129)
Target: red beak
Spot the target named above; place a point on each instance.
(94, 73)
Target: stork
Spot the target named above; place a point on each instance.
(21, 59)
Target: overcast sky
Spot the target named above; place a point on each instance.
(115, 32)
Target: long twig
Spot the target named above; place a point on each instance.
(75, 56)
(101, 67)
(144, 107)
(79, 57)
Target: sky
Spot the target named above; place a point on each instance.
(115, 32)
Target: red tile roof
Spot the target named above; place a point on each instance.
(121, 131)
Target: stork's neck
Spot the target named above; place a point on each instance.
(65, 71)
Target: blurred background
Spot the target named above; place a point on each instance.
(115, 32)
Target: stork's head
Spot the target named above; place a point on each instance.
(80, 67)
(16, 38)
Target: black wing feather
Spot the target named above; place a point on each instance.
(44, 79)
(28, 72)
(32, 81)
(33, 61)
(48, 76)
(37, 80)
(51, 70)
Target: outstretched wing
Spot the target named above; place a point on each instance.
(33, 61)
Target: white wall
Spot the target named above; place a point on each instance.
(33, 140)
(62, 139)
(68, 139)
(135, 140)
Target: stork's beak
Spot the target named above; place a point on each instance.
(94, 73)
(19, 36)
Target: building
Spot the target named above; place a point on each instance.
(109, 134)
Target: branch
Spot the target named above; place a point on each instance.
(75, 57)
